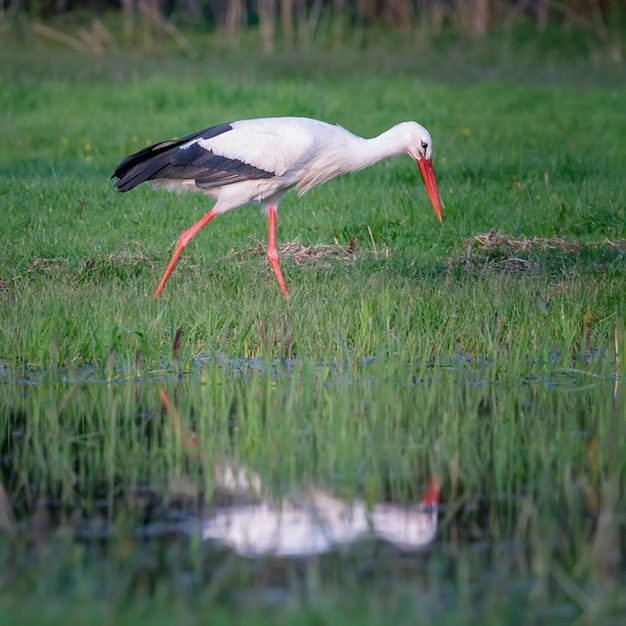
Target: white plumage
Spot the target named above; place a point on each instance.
(259, 160)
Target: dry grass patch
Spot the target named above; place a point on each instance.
(494, 240)
(320, 254)
(118, 263)
(46, 265)
(494, 251)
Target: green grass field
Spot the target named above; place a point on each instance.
(490, 348)
(82, 261)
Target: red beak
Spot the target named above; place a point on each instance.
(428, 174)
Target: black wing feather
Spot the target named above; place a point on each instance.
(168, 160)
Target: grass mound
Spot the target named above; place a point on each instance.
(495, 251)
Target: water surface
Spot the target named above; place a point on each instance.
(258, 480)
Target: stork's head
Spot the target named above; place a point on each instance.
(419, 146)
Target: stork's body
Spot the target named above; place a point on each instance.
(259, 160)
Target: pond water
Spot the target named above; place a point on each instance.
(474, 490)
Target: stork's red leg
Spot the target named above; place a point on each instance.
(183, 240)
(272, 254)
(431, 497)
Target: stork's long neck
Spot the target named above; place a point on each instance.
(366, 152)
(348, 153)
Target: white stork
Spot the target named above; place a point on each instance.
(259, 160)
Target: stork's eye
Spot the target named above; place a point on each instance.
(424, 146)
